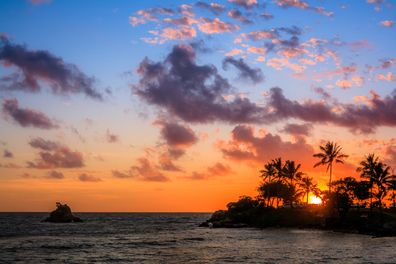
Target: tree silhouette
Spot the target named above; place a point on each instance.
(308, 186)
(330, 153)
(367, 170)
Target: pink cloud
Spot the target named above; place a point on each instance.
(244, 3)
(386, 77)
(387, 23)
(216, 26)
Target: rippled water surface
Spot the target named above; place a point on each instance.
(176, 238)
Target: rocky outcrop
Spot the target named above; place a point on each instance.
(62, 214)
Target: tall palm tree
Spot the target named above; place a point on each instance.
(308, 186)
(278, 166)
(367, 170)
(330, 153)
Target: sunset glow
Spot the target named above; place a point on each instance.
(315, 200)
(153, 106)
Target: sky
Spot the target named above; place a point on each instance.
(157, 106)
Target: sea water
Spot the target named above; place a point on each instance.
(176, 238)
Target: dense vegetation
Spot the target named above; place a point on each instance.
(348, 204)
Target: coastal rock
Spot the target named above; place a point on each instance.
(62, 214)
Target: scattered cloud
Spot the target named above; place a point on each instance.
(245, 145)
(84, 177)
(111, 138)
(177, 135)
(216, 26)
(54, 155)
(248, 4)
(145, 171)
(303, 5)
(7, 154)
(218, 169)
(56, 175)
(237, 15)
(26, 117)
(387, 23)
(213, 7)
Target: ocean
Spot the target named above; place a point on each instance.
(176, 238)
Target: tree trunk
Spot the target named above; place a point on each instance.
(331, 172)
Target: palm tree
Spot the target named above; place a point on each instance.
(382, 179)
(291, 171)
(331, 152)
(392, 187)
(367, 170)
(268, 172)
(308, 186)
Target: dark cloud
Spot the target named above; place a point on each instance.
(298, 130)
(27, 117)
(178, 135)
(245, 71)
(166, 163)
(192, 92)
(7, 154)
(38, 66)
(322, 92)
(84, 177)
(237, 15)
(197, 93)
(200, 46)
(246, 146)
(55, 175)
(213, 7)
(54, 155)
(363, 118)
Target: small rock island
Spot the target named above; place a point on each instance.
(62, 214)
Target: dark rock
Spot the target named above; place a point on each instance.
(62, 214)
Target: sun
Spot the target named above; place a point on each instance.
(315, 200)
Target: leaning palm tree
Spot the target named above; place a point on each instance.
(330, 153)
(308, 186)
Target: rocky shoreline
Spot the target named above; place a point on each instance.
(373, 223)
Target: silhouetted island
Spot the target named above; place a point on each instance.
(62, 214)
(248, 212)
(349, 205)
